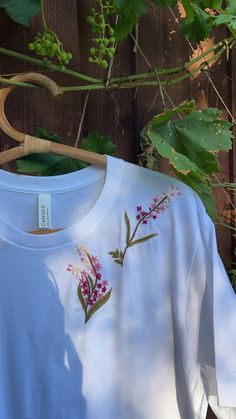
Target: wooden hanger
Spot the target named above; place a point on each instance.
(30, 144)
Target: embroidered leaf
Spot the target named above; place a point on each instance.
(118, 261)
(143, 239)
(121, 254)
(127, 227)
(90, 281)
(97, 305)
(114, 253)
(81, 298)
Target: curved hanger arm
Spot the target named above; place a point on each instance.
(31, 144)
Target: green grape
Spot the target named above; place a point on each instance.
(54, 46)
(31, 46)
(92, 51)
(112, 50)
(38, 47)
(90, 60)
(50, 53)
(63, 56)
(47, 45)
(48, 42)
(103, 63)
(43, 52)
(98, 23)
(90, 20)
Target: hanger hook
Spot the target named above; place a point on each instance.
(36, 78)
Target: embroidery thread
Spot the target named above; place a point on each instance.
(92, 287)
(159, 204)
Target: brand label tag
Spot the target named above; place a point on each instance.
(44, 211)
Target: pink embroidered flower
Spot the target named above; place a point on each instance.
(92, 287)
(155, 209)
(159, 204)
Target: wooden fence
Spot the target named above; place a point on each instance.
(118, 113)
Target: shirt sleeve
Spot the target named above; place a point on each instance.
(213, 331)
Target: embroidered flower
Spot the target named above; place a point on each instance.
(158, 205)
(92, 287)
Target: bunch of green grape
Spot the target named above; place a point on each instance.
(46, 45)
(104, 33)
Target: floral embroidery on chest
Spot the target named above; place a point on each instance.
(158, 205)
(92, 287)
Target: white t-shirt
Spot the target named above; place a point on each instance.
(125, 313)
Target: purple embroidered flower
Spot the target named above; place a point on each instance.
(158, 205)
(92, 287)
(154, 208)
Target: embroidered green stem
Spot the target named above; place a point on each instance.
(119, 255)
(136, 228)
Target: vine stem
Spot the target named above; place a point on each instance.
(127, 85)
(122, 82)
(43, 16)
(48, 65)
(123, 85)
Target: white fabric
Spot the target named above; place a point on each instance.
(161, 347)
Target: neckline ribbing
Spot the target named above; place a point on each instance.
(64, 183)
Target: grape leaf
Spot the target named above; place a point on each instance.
(205, 130)
(49, 164)
(167, 3)
(199, 28)
(97, 143)
(42, 133)
(191, 145)
(201, 185)
(227, 19)
(231, 7)
(21, 10)
(188, 10)
(129, 12)
(211, 4)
